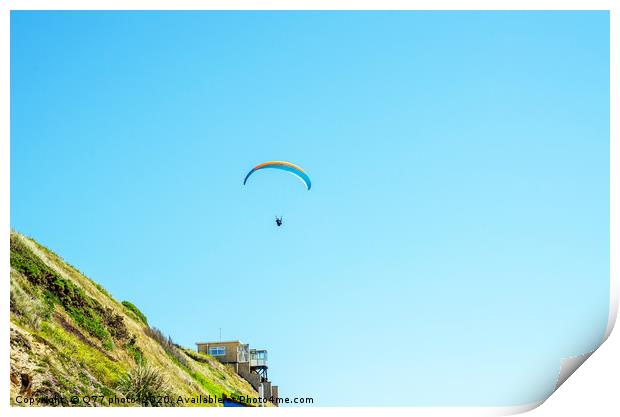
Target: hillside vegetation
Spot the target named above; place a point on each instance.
(71, 339)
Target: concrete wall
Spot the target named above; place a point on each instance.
(274, 394)
(267, 389)
(251, 377)
(243, 368)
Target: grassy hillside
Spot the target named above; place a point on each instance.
(70, 338)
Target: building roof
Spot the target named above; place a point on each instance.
(221, 341)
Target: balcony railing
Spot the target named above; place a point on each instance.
(258, 362)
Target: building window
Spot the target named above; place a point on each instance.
(260, 355)
(217, 351)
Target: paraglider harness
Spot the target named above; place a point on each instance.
(279, 221)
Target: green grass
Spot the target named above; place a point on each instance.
(87, 312)
(99, 286)
(87, 357)
(206, 383)
(28, 308)
(59, 260)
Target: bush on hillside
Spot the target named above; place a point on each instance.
(168, 345)
(146, 385)
(131, 307)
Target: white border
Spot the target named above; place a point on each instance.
(309, 5)
(614, 163)
(7, 5)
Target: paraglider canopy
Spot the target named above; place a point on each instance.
(284, 166)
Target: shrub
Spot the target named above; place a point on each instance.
(131, 307)
(171, 349)
(146, 384)
(135, 351)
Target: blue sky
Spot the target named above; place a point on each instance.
(454, 245)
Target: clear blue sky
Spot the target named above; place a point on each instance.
(454, 245)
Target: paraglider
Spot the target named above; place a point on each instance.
(284, 166)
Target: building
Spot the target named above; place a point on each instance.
(250, 364)
(258, 362)
(231, 353)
